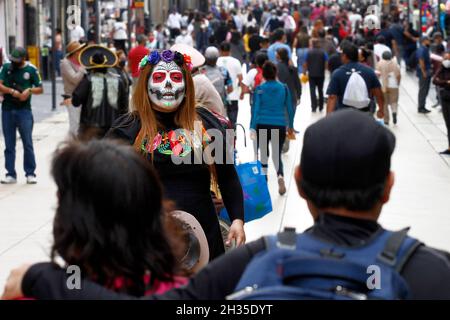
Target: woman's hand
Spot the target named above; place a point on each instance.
(13, 287)
(237, 233)
(291, 134)
(252, 134)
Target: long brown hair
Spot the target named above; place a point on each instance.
(141, 104)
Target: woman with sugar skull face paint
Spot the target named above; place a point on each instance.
(167, 128)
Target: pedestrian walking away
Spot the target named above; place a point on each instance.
(390, 75)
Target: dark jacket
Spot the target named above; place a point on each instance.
(288, 75)
(427, 272)
(316, 60)
(103, 115)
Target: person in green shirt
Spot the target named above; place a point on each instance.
(19, 80)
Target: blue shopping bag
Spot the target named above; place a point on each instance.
(257, 202)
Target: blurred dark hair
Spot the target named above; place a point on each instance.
(110, 219)
(235, 37)
(381, 39)
(321, 33)
(260, 59)
(251, 30)
(353, 200)
(350, 50)
(278, 34)
(283, 55)
(269, 70)
(225, 46)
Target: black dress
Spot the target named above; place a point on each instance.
(187, 184)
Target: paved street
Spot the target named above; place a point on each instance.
(420, 199)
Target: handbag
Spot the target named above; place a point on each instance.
(257, 201)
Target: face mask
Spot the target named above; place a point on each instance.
(16, 65)
(446, 63)
(166, 86)
(184, 32)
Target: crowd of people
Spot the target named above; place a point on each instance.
(148, 112)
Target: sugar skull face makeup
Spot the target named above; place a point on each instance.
(166, 86)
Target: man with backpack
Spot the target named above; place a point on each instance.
(345, 195)
(352, 84)
(234, 68)
(219, 76)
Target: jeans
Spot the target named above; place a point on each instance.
(446, 114)
(22, 120)
(275, 135)
(313, 84)
(424, 88)
(301, 54)
(232, 112)
(58, 57)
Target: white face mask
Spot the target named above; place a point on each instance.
(166, 86)
(446, 63)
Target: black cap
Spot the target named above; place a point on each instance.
(348, 149)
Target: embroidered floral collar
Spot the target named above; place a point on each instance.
(175, 142)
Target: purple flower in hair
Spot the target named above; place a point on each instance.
(154, 57)
(167, 56)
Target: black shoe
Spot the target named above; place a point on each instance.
(424, 111)
(435, 105)
(394, 117)
(314, 110)
(446, 152)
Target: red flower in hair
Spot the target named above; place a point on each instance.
(187, 59)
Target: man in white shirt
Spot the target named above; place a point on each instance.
(174, 22)
(380, 47)
(77, 33)
(234, 68)
(355, 18)
(184, 38)
(120, 34)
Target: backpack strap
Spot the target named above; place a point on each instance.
(390, 253)
(287, 239)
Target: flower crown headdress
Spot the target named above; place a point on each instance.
(167, 56)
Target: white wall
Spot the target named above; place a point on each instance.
(20, 30)
(3, 37)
